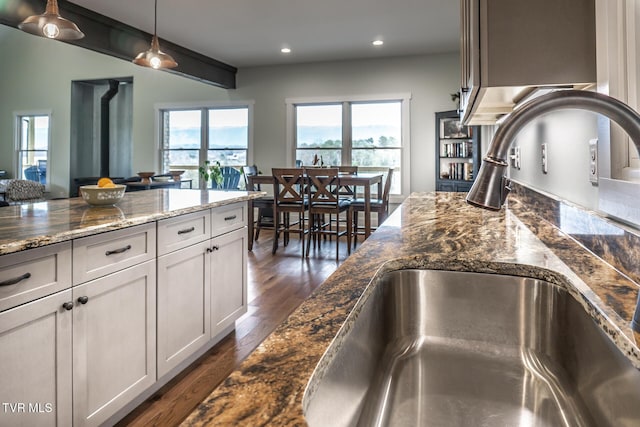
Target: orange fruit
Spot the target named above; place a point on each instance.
(102, 182)
(109, 185)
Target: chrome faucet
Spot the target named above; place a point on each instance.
(491, 187)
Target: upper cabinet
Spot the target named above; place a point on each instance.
(511, 48)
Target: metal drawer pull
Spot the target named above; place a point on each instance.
(15, 280)
(229, 218)
(67, 306)
(83, 300)
(186, 230)
(118, 251)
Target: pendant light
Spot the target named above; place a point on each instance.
(51, 25)
(154, 57)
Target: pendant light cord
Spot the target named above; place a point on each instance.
(155, 20)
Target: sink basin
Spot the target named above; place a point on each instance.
(444, 348)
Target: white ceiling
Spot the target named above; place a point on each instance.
(246, 33)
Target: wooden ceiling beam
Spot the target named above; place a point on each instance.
(117, 39)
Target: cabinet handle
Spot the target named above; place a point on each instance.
(83, 300)
(15, 280)
(229, 218)
(118, 251)
(186, 230)
(215, 248)
(67, 306)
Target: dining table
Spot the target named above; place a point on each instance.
(365, 180)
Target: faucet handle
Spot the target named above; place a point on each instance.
(505, 189)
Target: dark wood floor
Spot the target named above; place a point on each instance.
(277, 284)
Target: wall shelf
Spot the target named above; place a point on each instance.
(457, 152)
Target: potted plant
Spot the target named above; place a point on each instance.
(213, 172)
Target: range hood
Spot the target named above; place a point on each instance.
(512, 48)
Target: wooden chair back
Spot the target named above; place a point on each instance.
(348, 170)
(230, 179)
(387, 188)
(322, 186)
(288, 184)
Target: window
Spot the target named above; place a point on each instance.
(371, 133)
(376, 133)
(319, 133)
(32, 146)
(190, 136)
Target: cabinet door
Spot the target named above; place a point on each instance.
(184, 304)
(35, 363)
(114, 342)
(228, 279)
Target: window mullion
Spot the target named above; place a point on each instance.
(346, 133)
(204, 141)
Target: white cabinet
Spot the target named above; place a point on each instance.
(202, 287)
(28, 275)
(228, 279)
(114, 342)
(87, 327)
(184, 308)
(35, 363)
(105, 253)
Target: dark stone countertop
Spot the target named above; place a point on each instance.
(38, 224)
(439, 231)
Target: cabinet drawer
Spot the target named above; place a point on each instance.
(96, 256)
(182, 231)
(34, 273)
(228, 218)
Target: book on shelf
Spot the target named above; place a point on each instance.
(461, 171)
(457, 149)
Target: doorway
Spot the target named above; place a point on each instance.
(101, 130)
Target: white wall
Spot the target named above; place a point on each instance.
(39, 75)
(567, 137)
(430, 80)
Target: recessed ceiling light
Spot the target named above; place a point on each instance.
(377, 42)
(285, 50)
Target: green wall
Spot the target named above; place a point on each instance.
(39, 75)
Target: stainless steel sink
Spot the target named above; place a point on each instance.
(443, 348)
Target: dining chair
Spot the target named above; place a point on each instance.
(264, 204)
(346, 190)
(323, 192)
(230, 179)
(289, 197)
(349, 170)
(379, 206)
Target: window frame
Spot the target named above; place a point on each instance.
(17, 134)
(204, 108)
(347, 101)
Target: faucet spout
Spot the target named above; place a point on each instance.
(491, 185)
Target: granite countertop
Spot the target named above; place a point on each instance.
(532, 237)
(39, 224)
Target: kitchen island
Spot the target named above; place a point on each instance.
(101, 306)
(39, 224)
(533, 236)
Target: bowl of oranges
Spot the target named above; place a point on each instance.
(105, 193)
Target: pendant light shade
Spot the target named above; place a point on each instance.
(51, 25)
(154, 57)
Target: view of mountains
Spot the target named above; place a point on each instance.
(236, 137)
